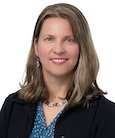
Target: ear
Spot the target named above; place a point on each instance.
(36, 47)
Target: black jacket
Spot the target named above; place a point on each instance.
(97, 121)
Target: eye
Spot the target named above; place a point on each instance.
(69, 40)
(48, 38)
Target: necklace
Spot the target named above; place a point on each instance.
(51, 104)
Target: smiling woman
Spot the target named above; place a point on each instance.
(57, 49)
(60, 90)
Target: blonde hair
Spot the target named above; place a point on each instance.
(83, 84)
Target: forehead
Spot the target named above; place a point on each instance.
(56, 24)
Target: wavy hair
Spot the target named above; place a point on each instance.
(83, 84)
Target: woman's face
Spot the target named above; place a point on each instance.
(56, 48)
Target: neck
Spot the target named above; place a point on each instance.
(57, 87)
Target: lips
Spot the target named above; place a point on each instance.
(59, 60)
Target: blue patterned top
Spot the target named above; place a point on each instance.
(40, 130)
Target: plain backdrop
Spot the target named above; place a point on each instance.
(17, 21)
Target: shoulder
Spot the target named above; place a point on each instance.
(105, 116)
(12, 97)
(106, 106)
(10, 101)
(5, 112)
(105, 110)
(7, 105)
(104, 120)
(14, 110)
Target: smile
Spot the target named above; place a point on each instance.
(59, 61)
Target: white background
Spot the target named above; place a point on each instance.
(17, 21)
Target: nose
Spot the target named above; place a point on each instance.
(59, 48)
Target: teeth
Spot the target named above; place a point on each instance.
(58, 60)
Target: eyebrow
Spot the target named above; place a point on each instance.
(66, 36)
(48, 35)
(69, 36)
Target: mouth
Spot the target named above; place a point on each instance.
(59, 60)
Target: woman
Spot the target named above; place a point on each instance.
(60, 97)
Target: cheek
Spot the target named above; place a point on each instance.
(42, 53)
(74, 54)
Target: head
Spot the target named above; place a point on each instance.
(83, 84)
